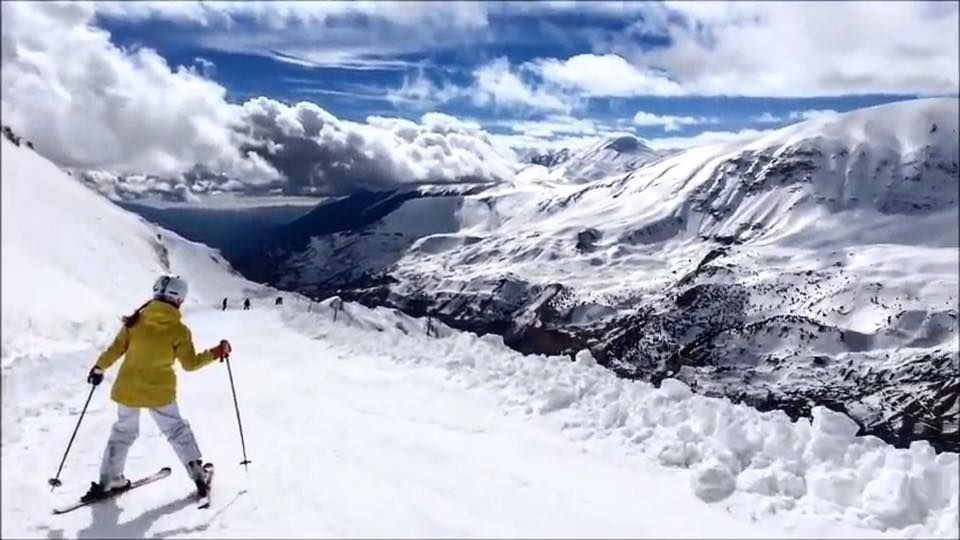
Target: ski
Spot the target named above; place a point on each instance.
(159, 475)
(204, 502)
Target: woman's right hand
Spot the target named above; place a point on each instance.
(222, 350)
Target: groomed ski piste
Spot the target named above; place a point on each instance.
(360, 424)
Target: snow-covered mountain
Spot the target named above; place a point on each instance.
(604, 158)
(368, 422)
(544, 158)
(813, 264)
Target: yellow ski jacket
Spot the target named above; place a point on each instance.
(146, 377)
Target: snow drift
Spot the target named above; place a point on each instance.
(731, 451)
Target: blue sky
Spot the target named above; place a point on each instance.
(289, 62)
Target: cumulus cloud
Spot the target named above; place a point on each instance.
(607, 75)
(152, 129)
(497, 83)
(524, 144)
(555, 125)
(801, 49)
(766, 118)
(670, 122)
(810, 114)
(769, 118)
(546, 84)
(419, 92)
(703, 138)
(205, 67)
(87, 103)
(319, 153)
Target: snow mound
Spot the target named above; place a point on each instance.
(733, 452)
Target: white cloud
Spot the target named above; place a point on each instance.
(669, 122)
(498, 84)
(607, 75)
(420, 92)
(704, 138)
(810, 114)
(779, 49)
(522, 142)
(553, 125)
(281, 14)
(88, 104)
(495, 84)
(800, 49)
(766, 118)
(352, 35)
(205, 67)
(776, 49)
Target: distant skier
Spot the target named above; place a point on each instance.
(151, 338)
(224, 308)
(246, 304)
(279, 301)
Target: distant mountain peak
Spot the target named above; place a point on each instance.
(626, 144)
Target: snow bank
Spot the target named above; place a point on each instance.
(816, 466)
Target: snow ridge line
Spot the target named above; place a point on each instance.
(804, 466)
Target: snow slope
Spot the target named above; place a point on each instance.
(72, 262)
(360, 424)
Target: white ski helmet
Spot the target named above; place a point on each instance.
(171, 288)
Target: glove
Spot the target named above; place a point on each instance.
(95, 376)
(222, 350)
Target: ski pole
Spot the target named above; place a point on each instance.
(55, 481)
(237, 408)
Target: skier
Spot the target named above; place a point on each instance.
(279, 301)
(224, 305)
(246, 304)
(150, 339)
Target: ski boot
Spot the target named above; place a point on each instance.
(199, 477)
(99, 491)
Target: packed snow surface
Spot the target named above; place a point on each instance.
(367, 423)
(368, 427)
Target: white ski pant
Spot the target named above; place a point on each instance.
(126, 429)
